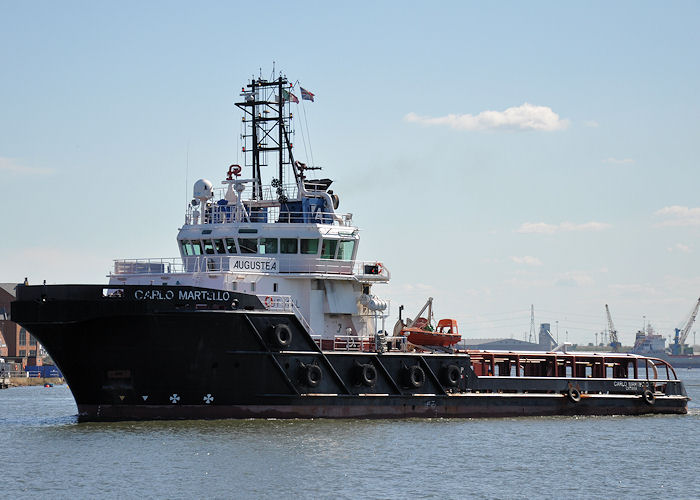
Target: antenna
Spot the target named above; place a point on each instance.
(187, 172)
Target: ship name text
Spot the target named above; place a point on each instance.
(211, 295)
(266, 265)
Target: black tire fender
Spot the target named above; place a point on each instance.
(282, 335)
(313, 375)
(573, 394)
(368, 374)
(649, 397)
(452, 375)
(416, 376)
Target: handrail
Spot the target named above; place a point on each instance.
(262, 212)
(254, 264)
(284, 303)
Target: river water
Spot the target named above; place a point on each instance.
(46, 452)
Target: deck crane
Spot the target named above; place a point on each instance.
(679, 346)
(614, 343)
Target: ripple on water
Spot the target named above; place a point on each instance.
(432, 458)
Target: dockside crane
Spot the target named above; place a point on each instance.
(614, 343)
(679, 346)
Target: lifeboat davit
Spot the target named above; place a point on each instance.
(445, 335)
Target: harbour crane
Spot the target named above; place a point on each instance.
(614, 343)
(679, 346)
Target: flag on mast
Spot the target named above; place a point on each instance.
(306, 95)
(288, 96)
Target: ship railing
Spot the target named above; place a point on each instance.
(318, 340)
(285, 303)
(149, 266)
(353, 343)
(274, 263)
(262, 213)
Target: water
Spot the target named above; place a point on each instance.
(46, 452)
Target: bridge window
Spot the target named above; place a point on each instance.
(345, 249)
(219, 244)
(288, 245)
(309, 246)
(231, 245)
(268, 245)
(186, 247)
(196, 247)
(208, 247)
(328, 249)
(248, 245)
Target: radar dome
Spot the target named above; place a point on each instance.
(203, 190)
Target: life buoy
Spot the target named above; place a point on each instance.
(416, 376)
(452, 375)
(649, 397)
(573, 394)
(268, 301)
(282, 335)
(313, 376)
(379, 268)
(233, 170)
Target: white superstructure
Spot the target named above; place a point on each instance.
(282, 241)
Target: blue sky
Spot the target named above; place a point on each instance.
(580, 188)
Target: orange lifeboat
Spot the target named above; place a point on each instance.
(445, 335)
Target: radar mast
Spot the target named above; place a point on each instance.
(267, 127)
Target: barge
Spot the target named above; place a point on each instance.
(268, 313)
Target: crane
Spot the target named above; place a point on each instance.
(614, 343)
(679, 346)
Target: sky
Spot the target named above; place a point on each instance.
(494, 154)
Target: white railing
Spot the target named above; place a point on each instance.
(277, 302)
(262, 213)
(284, 264)
(353, 343)
(285, 303)
(149, 266)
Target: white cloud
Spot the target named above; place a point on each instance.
(617, 161)
(574, 278)
(545, 228)
(10, 165)
(677, 215)
(591, 123)
(524, 117)
(680, 247)
(527, 260)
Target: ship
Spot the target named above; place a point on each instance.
(267, 313)
(679, 354)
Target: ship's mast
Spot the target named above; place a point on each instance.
(267, 129)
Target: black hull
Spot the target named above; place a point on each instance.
(412, 407)
(184, 353)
